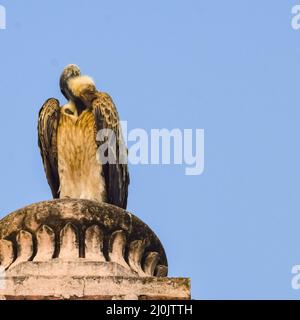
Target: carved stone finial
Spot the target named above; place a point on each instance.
(95, 248)
(79, 229)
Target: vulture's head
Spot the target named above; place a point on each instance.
(75, 86)
(71, 71)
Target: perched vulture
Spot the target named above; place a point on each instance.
(70, 148)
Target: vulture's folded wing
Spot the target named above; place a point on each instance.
(47, 138)
(116, 174)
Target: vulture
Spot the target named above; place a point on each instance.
(68, 136)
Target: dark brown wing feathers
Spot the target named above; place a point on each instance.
(47, 139)
(116, 175)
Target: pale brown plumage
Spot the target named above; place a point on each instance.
(67, 140)
(79, 171)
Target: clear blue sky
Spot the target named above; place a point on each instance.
(230, 67)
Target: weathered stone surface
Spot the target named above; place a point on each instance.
(24, 247)
(150, 264)
(69, 243)
(6, 253)
(117, 245)
(94, 243)
(161, 271)
(55, 213)
(78, 267)
(136, 250)
(81, 249)
(72, 228)
(45, 244)
(95, 288)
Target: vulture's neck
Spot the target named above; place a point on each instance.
(80, 107)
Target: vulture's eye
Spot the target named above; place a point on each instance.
(68, 111)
